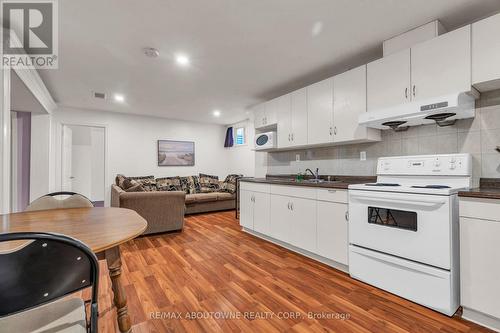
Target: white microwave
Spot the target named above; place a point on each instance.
(265, 140)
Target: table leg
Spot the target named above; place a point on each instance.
(120, 299)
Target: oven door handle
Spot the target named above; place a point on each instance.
(394, 200)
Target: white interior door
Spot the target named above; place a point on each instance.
(67, 154)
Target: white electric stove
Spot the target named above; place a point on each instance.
(403, 230)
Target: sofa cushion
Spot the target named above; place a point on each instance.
(229, 184)
(190, 198)
(209, 183)
(205, 197)
(148, 182)
(169, 184)
(191, 184)
(225, 196)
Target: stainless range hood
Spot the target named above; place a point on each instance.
(443, 110)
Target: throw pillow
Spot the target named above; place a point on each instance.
(120, 180)
(135, 188)
(229, 184)
(148, 182)
(169, 184)
(191, 184)
(209, 183)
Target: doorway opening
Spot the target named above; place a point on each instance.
(83, 161)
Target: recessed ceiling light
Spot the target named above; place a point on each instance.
(151, 52)
(182, 60)
(119, 98)
(216, 113)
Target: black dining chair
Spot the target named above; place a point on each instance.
(37, 274)
(49, 201)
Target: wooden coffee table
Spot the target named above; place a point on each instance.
(101, 229)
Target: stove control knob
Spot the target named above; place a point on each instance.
(452, 166)
(437, 162)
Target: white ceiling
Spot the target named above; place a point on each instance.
(242, 51)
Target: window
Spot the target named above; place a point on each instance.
(240, 138)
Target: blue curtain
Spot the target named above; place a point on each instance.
(229, 138)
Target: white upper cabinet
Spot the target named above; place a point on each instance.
(486, 54)
(320, 112)
(292, 119)
(265, 114)
(349, 101)
(284, 128)
(299, 117)
(442, 65)
(259, 113)
(388, 81)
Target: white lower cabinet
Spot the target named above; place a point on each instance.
(246, 209)
(254, 210)
(332, 231)
(303, 221)
(479, 260)
(261, 212)
(309, 219)
(280, 223)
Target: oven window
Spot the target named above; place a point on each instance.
(393, 218)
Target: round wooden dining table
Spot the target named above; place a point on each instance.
(101, 229)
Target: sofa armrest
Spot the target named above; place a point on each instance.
(164, 211)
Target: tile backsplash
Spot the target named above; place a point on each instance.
(478, 136)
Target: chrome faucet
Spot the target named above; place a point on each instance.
(315, 175)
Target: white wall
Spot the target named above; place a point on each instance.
(131, 144)
(97, 153)
(41, 177)
(241, 159)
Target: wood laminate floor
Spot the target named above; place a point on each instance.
(213, 270)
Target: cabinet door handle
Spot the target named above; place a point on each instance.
(332, 191)
(291, 205)
(288, 206)
(335, 130)
(292, 136)
(347, 216)
(288, 137)
(406, 92)
(414, 90)
(330, 130)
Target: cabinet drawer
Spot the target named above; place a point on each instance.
(255, 187)
(486, 209)
(294, 191)
(332, 195)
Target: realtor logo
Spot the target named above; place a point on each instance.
(29, 36)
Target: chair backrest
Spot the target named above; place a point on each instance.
(49, 201)
(45, 268)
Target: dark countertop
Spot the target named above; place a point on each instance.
(489, 188)
(338, 182)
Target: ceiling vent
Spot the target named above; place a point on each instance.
(99, 95)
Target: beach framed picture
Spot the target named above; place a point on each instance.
(175, 153)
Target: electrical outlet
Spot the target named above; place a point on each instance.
(362, 155)
(297, 157)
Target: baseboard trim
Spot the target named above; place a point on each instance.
(323, 260)
(481, 319)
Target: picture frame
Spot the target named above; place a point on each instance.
(175, 153)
